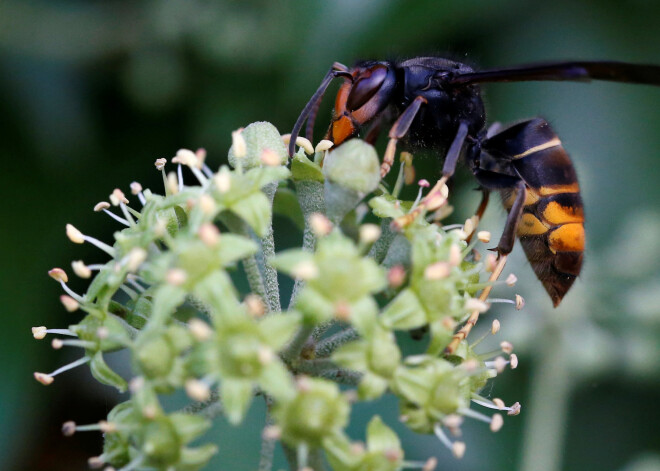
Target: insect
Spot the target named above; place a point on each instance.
(436, 104)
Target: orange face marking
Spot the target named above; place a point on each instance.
(530, 225)
(567, 238)
(342, 96)
(554, 213)
(556, 189)
(342, 129)
(530, 198)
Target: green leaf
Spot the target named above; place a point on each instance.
(385, 207)
(276, 380)
(234, 247)
(341, 455)
(262, 176)
(196, 458)
(218, 292)
(254, 209)
(277, 329)
(404, 312)
(236, 397)
(286, 261)
(363, 315)
(103, 374)
(166, 299)
(188, 427)
(314, 306)
(286, 204)
(304, 169)
(352, 355)
(371, 387)
(441, 335)
(413, 383)
(353, 165)
(258, 137)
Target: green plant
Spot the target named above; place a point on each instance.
(169, 296)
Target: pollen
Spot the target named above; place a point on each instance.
(270, 158)
(483, 236)
(136, 188)
(74, 234)
(496, 423)
(222, 180)
(117, 197)
(80, 269)
(320, 225)
(101, 205)
(369, 233)
(474, 304)
(39, 332)
(458, 450)
(44, 378)
(58, 275)
(495, 328)
(255, 305)
(197, 390)
(323, 145)
(70, 304)
(136, 257)
(186, 157)
(305, 144)
(209, 234)
(176, 276)
(437, 271)
(160, 163)
(207, 204)
(306, 270)
(506, 347)
(238, 143)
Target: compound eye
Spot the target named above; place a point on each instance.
(366, 86)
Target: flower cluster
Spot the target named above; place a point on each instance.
(370, 265)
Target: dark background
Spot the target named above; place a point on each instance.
(92, 92)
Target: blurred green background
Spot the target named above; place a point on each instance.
(92, 92)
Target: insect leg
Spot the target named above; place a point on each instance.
(504, 247)
(485, 196)
(436, 195)
(399, 129)
(337, 70)
(508, 238)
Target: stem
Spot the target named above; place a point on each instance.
(250, 264)
(325, 368)
(546, 419)
(210, 408)
(316, 460)
(267, 444)
(291, 457)
(382, 245)
(320, 329)
(329, 345)
(268, 251)
(311, 200)
(292, 351)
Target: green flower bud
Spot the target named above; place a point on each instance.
(317, 410)
(259, 136)
(154, 354)
(161, 443)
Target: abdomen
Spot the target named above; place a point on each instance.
(551, 229)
